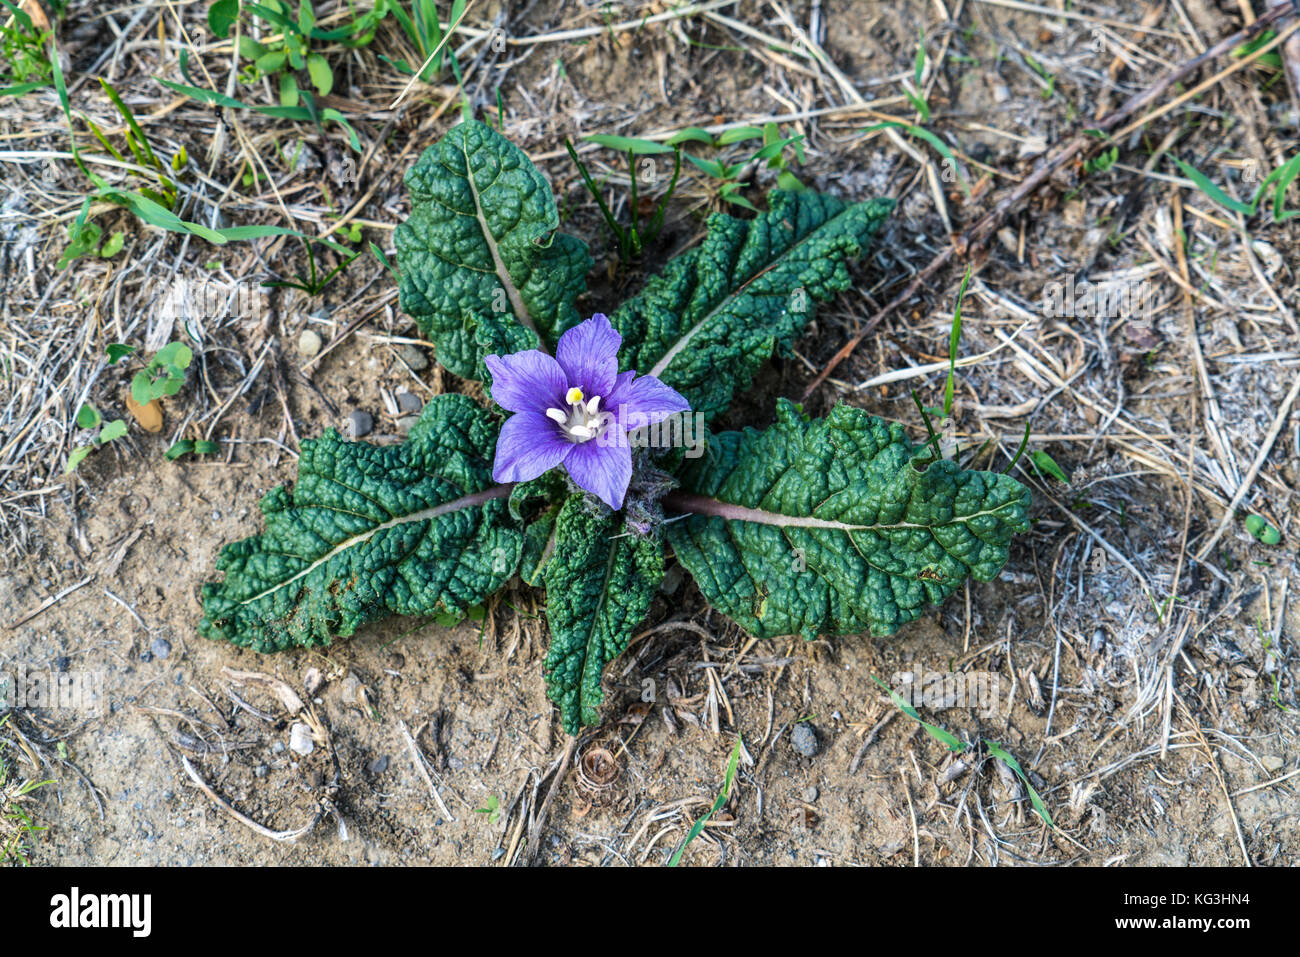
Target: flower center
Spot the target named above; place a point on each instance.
(583, 420)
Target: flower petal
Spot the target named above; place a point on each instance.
(603, 470)
(529, 444)
(644, 397)
(528, 381)
(589, 354)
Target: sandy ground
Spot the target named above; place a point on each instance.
(1157, 730)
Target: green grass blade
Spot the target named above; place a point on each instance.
(722, 797)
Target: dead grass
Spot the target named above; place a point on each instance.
(1145, 637)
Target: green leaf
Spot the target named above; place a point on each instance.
(598, 588)
(75, 457)
(717, 312)
(942, 735)
(628, 144)
(177, 449)
(482, 267)
(708, 167)
(112, 430)
(739, 135)
(142, 388)
(1002, 754)
(690, 134)
(1046, 465)
(113, 245)
(250, 49)
(838, 530)
(222, 16)
(176, 355)
(88, 417)
(289, 93)
(321, 76)
(698, 827)
(116, 351)
(954, 341)
(1207, 186)
(1257, 525)
(369, 531)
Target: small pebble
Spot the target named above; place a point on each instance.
(260, 771)
(397, 661)
(409, 402)
(359, 423)
(804, 739)
(312, 680)
(309, 343)
(160, 647)
(277, 748)
(810, 794)
(300, 741)
(379, 765)
(413, 356)
(1272, 762)
(407, 422)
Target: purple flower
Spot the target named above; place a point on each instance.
(575, 409)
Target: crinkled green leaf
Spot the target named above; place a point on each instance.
(367, 531)
(834, 528)
(599, 582)
(483, 268)
(717, 312)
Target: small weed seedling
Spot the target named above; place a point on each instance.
(159, 187)
(1263, 530)
(956, 745)
(85, 242)
(772, 152)
(723, 796)
(145, 207)
(88, 417)
(16, 825)
(314, 282)
(287, 52)
(425, 34)
(631, 241)
(24, 50)
(492, 809)
(1279, 181)
(1272, 656)
(162, 377)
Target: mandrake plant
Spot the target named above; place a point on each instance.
(828, 526)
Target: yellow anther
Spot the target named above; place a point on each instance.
(573, 396)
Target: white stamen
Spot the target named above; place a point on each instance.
(583, 421)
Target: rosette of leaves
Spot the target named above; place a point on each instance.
(812, 527)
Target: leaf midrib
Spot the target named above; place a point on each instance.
(472, 500)
(516, 300)
(676, 348)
